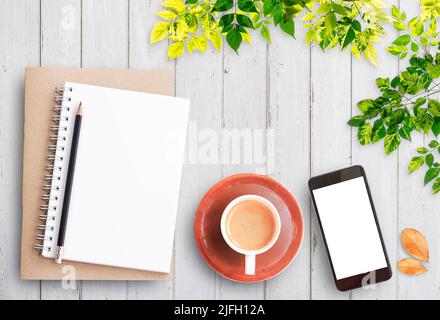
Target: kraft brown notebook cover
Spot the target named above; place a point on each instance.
(40, 84)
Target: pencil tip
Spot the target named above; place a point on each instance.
(79, 110)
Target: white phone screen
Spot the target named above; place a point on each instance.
(349, 227)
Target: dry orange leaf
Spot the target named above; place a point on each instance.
(415, 243)
(411, 267)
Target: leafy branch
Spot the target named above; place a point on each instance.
(194, 23)
(408, 102)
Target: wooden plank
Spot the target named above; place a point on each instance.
(104, 44)
(245, 108)
(330, 147)
(19, 47)
(289, 116)
(382, 171)
(105, 33)
(61, 47)
(61, 33)
(198, 78)
(418, 209)
(142, 16)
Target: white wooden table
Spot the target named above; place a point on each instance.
(305, 96)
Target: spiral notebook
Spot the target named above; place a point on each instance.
(127, 178)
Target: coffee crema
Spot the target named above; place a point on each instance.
(250, 225)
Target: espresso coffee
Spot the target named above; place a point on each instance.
(250, 225)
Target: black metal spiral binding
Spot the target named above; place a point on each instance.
(54, 169)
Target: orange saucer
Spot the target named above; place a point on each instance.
(217, 253)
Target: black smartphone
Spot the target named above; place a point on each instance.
(350, 229)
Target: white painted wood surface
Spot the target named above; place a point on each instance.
(301, 94)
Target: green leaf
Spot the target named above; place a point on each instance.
(364, 133)
(414, 47)
(422, 150)
(399, 25)
(436, 126)
(395, 82)
(395, 50)
(425, 123)
(383, 83)
(234, 39)
(247, 5)
(226, 20)
(356, 25)
(379, 131)
(339, 9)
(403, 16)
(436, 186)
(392, 142)
(349, 36)
(323, 8)
(434, 71)
(403, 40)
(415, 164)
(431, 174)
(405, 133)
(288, 26)
(429, 159)
(267, 7)
(223, 5)
(265, 33)
(244, 21)
(434, 107)
(356, 121)
(364, 105)
(277, 14)
(419, 102)
(330, 22)
(433, 144)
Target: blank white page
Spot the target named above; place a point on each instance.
(127, 178)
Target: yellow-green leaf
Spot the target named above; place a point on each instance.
(310, 36)
(392, 142)
(177, 5)
(176, 49)
(415, 164)
(216, 40)
(308, 17)
(182, 30)
(202, 43)
(159, 32)
(371, 54)
(364, 133)
(355, 51)
(246, 37)
(191, 45)
(167, 15)
(378, 4)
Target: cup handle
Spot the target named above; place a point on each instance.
(249, 265)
